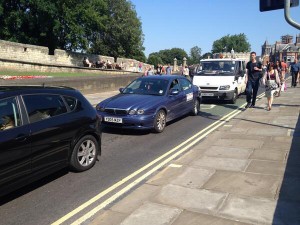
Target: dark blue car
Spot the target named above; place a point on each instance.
(150, 102)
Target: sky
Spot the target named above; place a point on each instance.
(184, 24)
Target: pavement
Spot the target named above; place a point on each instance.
(245, 172)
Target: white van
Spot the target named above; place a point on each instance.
(222, 79)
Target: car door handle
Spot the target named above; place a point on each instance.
(21, 137)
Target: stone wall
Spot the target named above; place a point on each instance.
(32, 54)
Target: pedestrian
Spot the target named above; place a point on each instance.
(281, 78)
(163, 70)
(272, 82)
(186, 72)
(169, 70)
(283, 69)
(150, 71)
(158, 69)
(294, 68)
(254, 73)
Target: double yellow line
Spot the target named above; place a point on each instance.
(171, 154)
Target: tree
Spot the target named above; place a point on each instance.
(122, 37)
(207, 55)
(195, 55)
(107, 27)
(167, 56)
(154, 59)
(237, 42)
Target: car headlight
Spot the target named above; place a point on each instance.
(132, 112)
(100, 108)
(138, 112)
(224, 87)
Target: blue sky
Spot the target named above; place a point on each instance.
(184, 24)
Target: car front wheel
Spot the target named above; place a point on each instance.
(196, 108)
(84, 154)
(160, 121)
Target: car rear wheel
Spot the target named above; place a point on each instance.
(196, 108)
(160, 121)
(84, 154)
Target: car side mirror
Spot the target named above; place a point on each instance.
(121, 90)
(174, 91)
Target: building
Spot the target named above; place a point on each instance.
(285, 49)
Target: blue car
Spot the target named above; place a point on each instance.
(150, 102)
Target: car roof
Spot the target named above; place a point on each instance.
(31, 89)
(165, 77)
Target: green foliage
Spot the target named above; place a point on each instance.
(238, 43)
(106, 27)
(168, 55)
(207, 55)
(195, 55)
(154, 59)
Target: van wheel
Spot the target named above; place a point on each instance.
(234, 97)
(84, 154)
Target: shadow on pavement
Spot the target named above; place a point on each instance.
(288, 206)
(32, 186)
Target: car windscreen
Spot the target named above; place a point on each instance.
(216, 68)
(147, 87)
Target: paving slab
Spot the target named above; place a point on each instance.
(239, 143)
(249, 210)
(182, 176)
(228, 152)
(196, 200)
(221, 163)
(192, 218)
(276, 145)
(135, 199)
(248, 184)
(230, 135)
(108, 218)
(269, 154)
(269, 131)
(152, 213)
(266, 167)
(190, 156)
(166, 175)
(193, 177)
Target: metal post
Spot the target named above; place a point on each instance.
(287, 14)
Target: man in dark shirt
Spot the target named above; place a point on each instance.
(254, 70)
(295, 67)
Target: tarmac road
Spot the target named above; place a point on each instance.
(123, 153)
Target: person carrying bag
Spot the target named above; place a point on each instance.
(272, 83)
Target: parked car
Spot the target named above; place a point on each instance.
(42, 130)
(150, 102)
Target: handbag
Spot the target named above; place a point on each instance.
(270, 85)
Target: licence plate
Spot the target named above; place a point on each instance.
(113, 120)
(207, 94)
